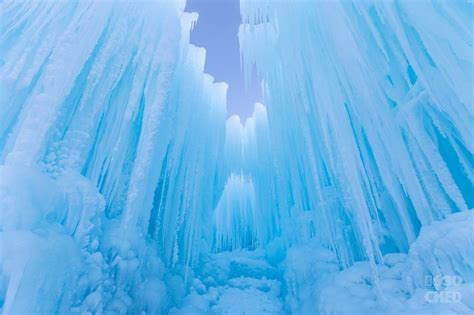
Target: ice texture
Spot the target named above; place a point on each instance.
(374, 100)
(124, 189)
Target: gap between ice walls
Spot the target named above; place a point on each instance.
(124, 189)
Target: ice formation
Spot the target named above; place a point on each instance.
(123, 189)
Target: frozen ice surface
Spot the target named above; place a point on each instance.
(124, 189)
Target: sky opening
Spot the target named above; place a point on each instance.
(216, 30)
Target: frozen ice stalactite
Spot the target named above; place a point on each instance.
(243, 215)
(235, 215)
(382, 146)
(93, 165)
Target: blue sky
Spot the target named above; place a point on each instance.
(216, 30)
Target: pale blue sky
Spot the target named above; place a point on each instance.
(216, 30)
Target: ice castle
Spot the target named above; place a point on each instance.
(124, 189)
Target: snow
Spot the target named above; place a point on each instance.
(124, 189)
(402, 287)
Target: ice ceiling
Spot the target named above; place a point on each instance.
(124, 188)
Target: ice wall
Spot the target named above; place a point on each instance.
(380, 103)
(109, 139)
(245, 206)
